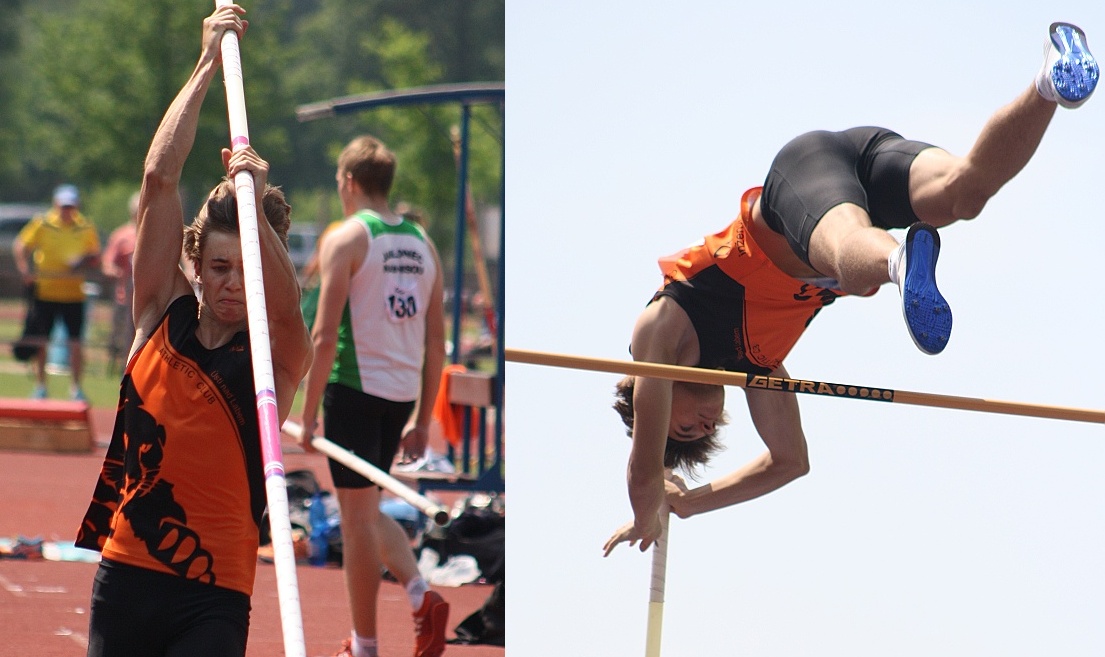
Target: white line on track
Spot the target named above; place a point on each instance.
(78, 638)
(22, 591)
(12, 587)
(19, 591)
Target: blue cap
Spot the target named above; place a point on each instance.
(67, 195)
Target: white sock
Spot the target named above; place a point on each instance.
(894, 264)
(416, 591)
(1044, 87)
(364, 646)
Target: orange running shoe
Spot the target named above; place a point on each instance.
(429, 626)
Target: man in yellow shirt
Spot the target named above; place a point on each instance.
(62, 244)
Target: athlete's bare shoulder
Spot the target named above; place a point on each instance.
(664, 334)
(343, 248)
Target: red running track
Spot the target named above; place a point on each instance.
(44, 604)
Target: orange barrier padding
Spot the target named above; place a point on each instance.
(45, 425)
(450, 416)
(44, 409)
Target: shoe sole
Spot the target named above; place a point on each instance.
(1076, 72)
(927, 314)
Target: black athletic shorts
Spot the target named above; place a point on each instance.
(366, 425)
(136, 611)
(820, 170)
(42, 315)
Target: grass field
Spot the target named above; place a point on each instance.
(100, 380)
(101, 385)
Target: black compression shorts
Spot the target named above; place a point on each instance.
(366, 425)
(819, 170)
(142, 612)
(43, 314)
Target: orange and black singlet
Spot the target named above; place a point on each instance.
(182, 487)
(747, 313)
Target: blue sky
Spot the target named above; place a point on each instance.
(633, 129)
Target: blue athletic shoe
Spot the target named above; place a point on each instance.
(1070, 72)
(927, 314)
(39, 392)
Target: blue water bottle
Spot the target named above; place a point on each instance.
(320, 532)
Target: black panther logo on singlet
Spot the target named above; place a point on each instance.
(154, 516)
(131, 483)
(182, 486)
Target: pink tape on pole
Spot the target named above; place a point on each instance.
(239, 141)
(269, 424)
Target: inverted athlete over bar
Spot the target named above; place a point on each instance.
(817, 230)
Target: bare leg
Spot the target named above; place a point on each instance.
(360, 509)
(395, 549)
(40, 366)
(848, 248)
(76, 362)
(942, 188)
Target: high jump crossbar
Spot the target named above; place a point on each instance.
(805, 386)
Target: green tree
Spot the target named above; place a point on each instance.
(11, 17)
(95, 78)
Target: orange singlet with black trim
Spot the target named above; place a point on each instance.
(747, 313)
(182, 487)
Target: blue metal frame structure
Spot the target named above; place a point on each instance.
(467, 95)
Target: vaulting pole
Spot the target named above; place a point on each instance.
(658, 582)
(287, 584)
(439, 514)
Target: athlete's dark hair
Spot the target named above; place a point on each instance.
(687, 456)
(220, 213)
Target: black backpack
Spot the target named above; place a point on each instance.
(479, 533)
(303, 486)
(486, 625)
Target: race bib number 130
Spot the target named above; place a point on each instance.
(401, 306)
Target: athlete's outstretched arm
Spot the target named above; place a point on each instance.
(779, 424)
(158, 279)
(655, 340)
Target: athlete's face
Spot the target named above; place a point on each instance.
(221, 274)
(696, 410)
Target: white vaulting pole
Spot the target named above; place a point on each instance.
(287, 585)
(657, 583)
(437, 513)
